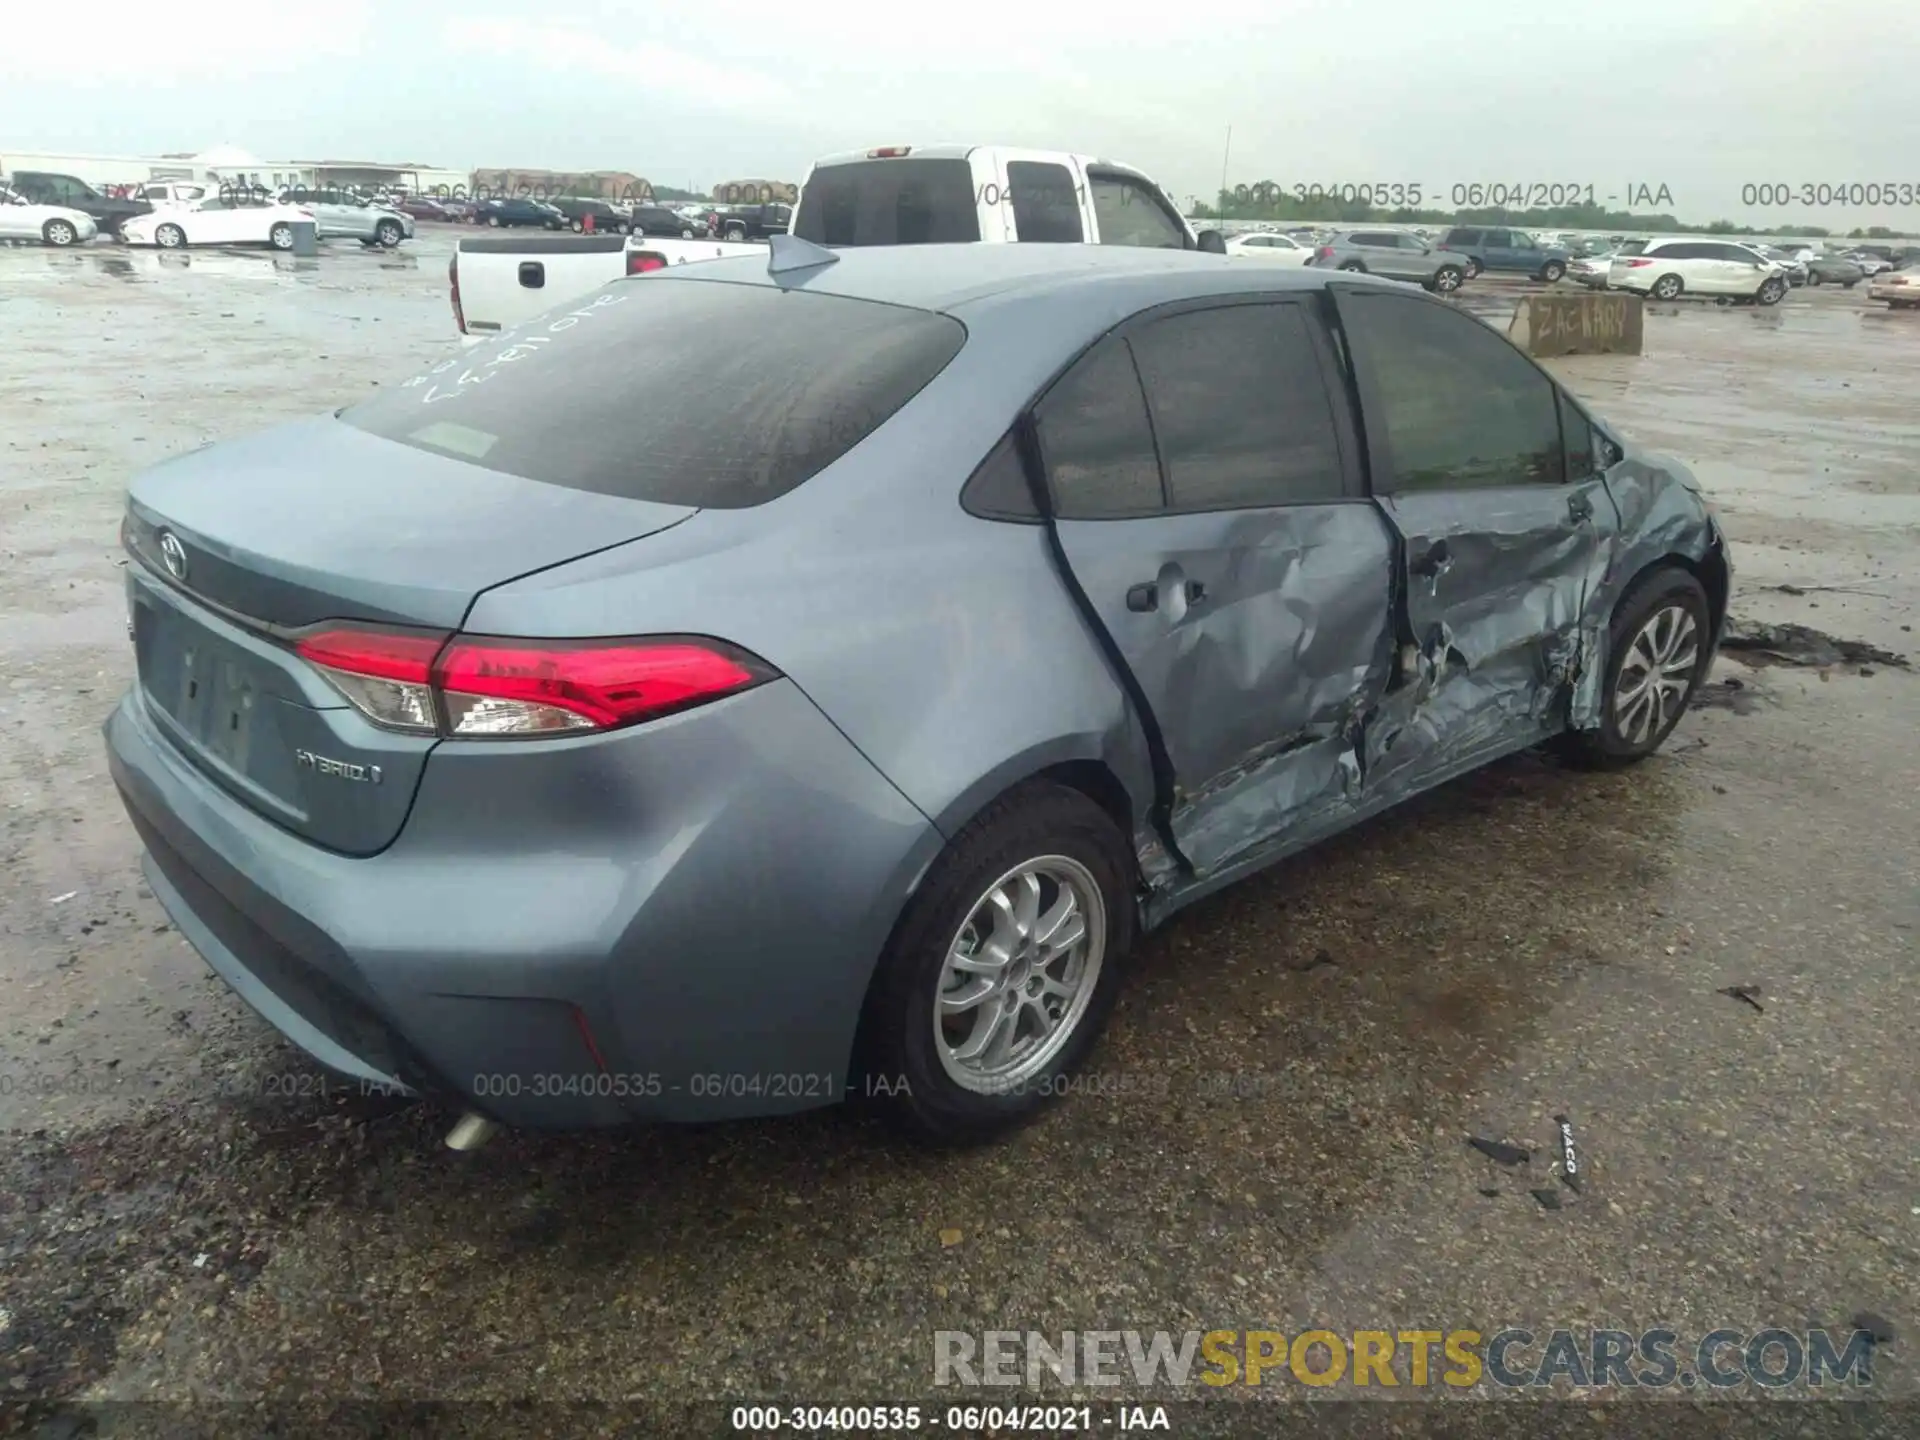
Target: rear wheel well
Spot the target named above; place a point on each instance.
(1099, 784)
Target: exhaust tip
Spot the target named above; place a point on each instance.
(470, 1132)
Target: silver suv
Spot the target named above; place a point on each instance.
(1393, 254)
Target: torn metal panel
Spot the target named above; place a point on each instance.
(1260, 638)
(1498, 609)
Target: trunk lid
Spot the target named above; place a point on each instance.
(312, 522)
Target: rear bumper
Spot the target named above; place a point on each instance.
(677, 923)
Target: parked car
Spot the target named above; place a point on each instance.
(1592, 269)
(517, 211)
(899, 195)
(754, 222)
(1667, 269)
(1494, 248)
(412, 802)
(1834, 270)
(217, 220)
(1273, 248)
(1392, 254)
(659, 220)
(424, 207)
(45, 187)
(1899, 288)
(1870, 264)
(56, 225)
(608, 219)
(158, 193)
(340, 214)
(1794, 269)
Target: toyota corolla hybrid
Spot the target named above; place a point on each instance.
(821, 701)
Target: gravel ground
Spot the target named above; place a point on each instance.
(1273, 1135)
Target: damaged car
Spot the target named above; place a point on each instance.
(820, 703)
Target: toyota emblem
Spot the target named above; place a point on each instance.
(174, 554)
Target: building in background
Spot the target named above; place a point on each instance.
(229, 164)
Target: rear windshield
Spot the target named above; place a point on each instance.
(686, 392)
(889, 202)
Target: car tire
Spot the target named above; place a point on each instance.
(1770, 292)
(281, 236)
(494, 220)
(388, 234)
(1552, 271)
(1447, 279)
(908, 1066)
(1667, 287)
(1660, 624)
(577, 226)
(1813, 277)
(1474, 268)
(59, 233)
(170, 237)
(1354, 266)
(686, 232)
(737, 234)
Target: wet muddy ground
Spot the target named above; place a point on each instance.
(1273, 1133)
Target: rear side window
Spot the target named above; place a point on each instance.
(890, 202)
(1095, 439)
(1046, 203)
(1239, 408)
(686, 392)
(1131, 213)
(1463, 237)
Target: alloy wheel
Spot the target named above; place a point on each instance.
(1656, 675)
(1019, 974)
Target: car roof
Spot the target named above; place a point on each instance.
(968, 279)
(962, 152)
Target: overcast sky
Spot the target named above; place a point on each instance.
(1702, 98)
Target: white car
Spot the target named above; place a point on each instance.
(158, 193)
(217, 220)
(21, 219)
(1668, 269)
(1899, 288)
(1266, 245)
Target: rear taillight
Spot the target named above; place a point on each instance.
(1636, 263)
(453, 288)
(475, 685)
(890, 152)
(1325, 252)
(642, 262)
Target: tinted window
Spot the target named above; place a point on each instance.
(1580, 441)
(1239, 408)
(1046, 203)
(1130, 213)
(1463, 237)
(998, 490)
(1679, 250)
(1370, 237)
(890, 202)
(1631, 247)
(1738, 253)
(1497, 239)
(1095, 439)
(724, 395)
(1460, 406)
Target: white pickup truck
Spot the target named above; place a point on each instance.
(897, 195)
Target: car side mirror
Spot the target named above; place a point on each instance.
(1213, 242)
